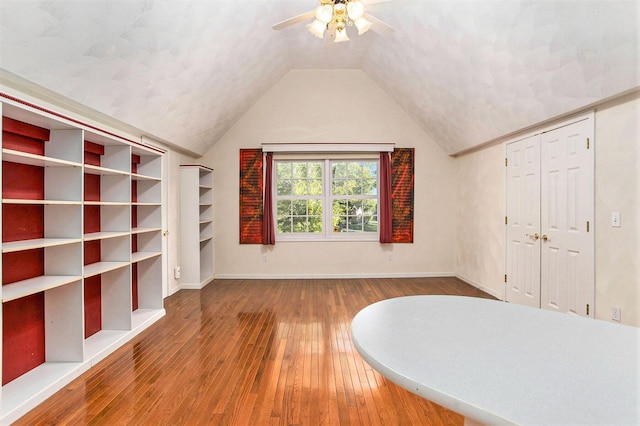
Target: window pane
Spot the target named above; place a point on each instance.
(354, 223)
(369, 187)
(283, 170)
(339, 170)
(370, 207)
(284, 187)
(370, 169)
(315, 187)
(300, 207)
(339, 187)
(284, 208)
(299, 224)
(315, 224)
(370, 224)
(300, 170)
(355, 170)
(299, 187)
(315, 170)
(284, 225)
(354, 187)
(315, 208)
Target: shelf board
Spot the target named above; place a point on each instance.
(106, 203)
(43, 202)
(206, 204)
(203, 222)
(146, 204)
(140, 230)
(206, 186)
(102, 267)
(141, 318)
(104, 235)
(37, 243)
(136, 176)
(103, 171)
(41, 381)
(35, 160)
(104, 341)
(205, 239)
(139, 256)
(35, 285)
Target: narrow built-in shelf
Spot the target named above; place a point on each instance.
(35, 285)
(42, 202)
(102, 267)
(136, 176)
(139, 256)
(202, 222)
(146, 204)
(104, 235)
(205, 239)
(20, 157)
(37, 243)
(103, 171)
(140, 230)
(206, 187)
(106, 203)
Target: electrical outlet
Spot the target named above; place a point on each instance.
(176, 272)
(616, 221)
(389, 257)
(616, 313)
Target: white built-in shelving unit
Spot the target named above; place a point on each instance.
(196, 225)
(81, 249)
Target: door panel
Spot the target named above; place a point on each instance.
(567, 270)
(523, 221)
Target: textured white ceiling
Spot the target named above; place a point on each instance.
(185, 70)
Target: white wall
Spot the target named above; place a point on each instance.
(618, 190)
(480, 219)
(334, 106)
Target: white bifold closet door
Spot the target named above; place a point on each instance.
(549, 220)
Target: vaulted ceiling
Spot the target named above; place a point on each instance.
(184, 71)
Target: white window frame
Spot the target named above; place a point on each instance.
(327, 197)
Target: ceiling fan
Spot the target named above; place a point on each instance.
(334, 16)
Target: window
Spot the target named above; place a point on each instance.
(326, 199)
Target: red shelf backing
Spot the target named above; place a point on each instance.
(23, 344)
(92, 153)
(91, 219)
(22, 265)
(92, 305)
(134, 286)
(22, 222)
(91, 187)
(23, 137)
(92, 252)
(22, 181)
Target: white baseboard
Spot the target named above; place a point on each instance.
(188, 286)
(479, 286)
(332, 276)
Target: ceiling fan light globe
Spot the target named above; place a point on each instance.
(317, 28)
(355, 9)
(324, 13)
(341, 35)
(362, 25)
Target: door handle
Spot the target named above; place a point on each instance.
(544, 238)
(535, 236)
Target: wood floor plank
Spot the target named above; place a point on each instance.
(252, 352)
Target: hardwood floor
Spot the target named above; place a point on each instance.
(252, 352)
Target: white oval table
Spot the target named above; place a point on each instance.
(501, 363)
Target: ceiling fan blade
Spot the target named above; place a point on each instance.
(379, 26)
(294, 20)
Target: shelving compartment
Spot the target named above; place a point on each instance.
(206, 260)
(107, 310)
(41, 340)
